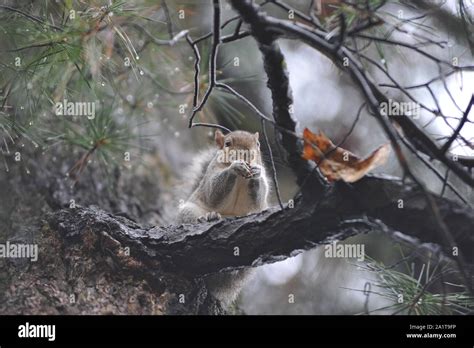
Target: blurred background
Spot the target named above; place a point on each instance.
(129, 159)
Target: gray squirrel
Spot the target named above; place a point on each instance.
(226, 180)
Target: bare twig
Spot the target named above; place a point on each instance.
(272, 162)
(212, 61)
(169, 23)
(160, 42)
(197, 61)
(463, 120)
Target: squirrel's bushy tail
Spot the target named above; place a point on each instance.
(193, 173)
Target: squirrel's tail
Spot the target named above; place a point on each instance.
(193, 173)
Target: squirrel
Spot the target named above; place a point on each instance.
(226, 180)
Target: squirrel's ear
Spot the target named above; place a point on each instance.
(256, 135)
(219, 137)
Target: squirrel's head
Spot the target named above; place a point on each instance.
(239, 145)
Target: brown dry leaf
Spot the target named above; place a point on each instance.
(337, 163)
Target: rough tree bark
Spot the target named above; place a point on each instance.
(371, 204)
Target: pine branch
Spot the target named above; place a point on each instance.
(371, 204)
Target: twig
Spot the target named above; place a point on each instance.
(446, 178)
(197, 61)
(169, 23)
(208, 35)
(433, 169)
(245, 100)
(212, 125)
(160, 42)
(213, 60)
(311, 18)
(274, 176)
(463, 120)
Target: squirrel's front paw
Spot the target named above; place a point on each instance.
(241, 168)
(211, 216)
(255, 172)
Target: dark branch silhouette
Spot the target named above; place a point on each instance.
(372, 204)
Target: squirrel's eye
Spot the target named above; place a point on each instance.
(227, 143)
(258, 143)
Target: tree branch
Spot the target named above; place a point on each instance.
(216, 40)
(273, 235)
(278, 83)
(269, 28)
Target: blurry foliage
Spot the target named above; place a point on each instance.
(91, 52)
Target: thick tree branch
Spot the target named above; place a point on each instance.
(274, 234)
(278, 83)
